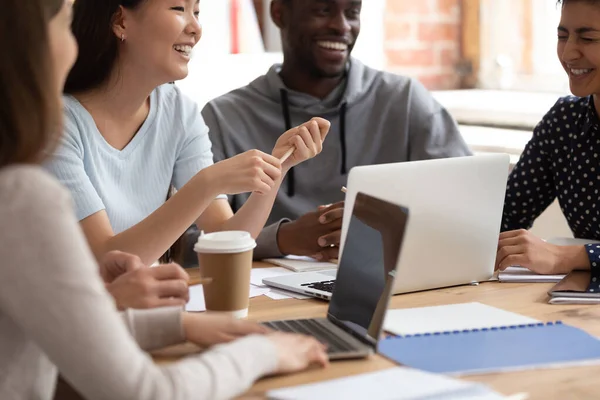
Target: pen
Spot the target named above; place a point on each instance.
(287, 154)
(199, 281)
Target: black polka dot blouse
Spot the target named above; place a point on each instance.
(562, 160)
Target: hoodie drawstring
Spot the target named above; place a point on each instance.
(285, 108)
(343, 135)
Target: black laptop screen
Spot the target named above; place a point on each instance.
(365, 277)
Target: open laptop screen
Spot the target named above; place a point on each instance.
(365, 277)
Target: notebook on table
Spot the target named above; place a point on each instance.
(578, 287)
(491, 350)
(450, 317)
(523, 275)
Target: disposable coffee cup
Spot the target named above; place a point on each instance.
(226, 259)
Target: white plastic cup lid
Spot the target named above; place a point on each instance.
(226, 242)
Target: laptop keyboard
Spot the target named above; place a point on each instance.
(313, 328)
(326, 286)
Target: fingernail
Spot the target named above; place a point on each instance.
(322, 219)
(322, 242)
(317, 256)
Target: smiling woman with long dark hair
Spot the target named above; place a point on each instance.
(130, 135)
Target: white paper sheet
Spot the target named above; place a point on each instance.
(390, 384)
(279, 294)
(258, 274)
(197, 304)
(410, 321)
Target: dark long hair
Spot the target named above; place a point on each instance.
(98, 44)
(29, 105)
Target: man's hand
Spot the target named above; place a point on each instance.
(522, 248)
(316, 234)
(115, 263)
(162, 286)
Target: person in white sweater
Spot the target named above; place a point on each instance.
(55, 312)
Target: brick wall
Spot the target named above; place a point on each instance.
(422, 39)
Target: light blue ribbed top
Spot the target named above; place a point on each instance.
(171, 146)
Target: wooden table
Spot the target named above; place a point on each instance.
(526, 299)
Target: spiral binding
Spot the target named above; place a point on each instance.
(499, 328)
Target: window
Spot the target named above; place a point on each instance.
(518, 46)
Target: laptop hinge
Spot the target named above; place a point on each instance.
(363, 339)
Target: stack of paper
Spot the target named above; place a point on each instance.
(389, 384)
(301, 264)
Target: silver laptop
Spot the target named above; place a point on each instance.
(456, 210)
(364, 282)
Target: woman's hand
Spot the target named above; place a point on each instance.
(210, 329)
(252, 171)
(115, 263)
(297, 352)
(522, 248)
(306, 140)
(144, 287)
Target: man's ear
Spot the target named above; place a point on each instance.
(277, 13)
(118, 24)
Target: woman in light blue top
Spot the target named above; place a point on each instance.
(130, 135)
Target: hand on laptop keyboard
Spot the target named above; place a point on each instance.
(297, 352)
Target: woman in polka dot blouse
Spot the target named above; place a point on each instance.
(562, 159)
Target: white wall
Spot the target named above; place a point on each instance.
(213, 75)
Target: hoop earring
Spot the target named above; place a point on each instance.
(122, 37)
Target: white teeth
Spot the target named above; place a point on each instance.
(185, 49)
(580, 71)
(333, 45)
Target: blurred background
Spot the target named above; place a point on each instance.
(446, 44)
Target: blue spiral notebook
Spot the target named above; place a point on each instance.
(489, 350)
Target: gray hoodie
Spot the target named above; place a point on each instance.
(376, 117)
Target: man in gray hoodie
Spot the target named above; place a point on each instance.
(376, 117)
